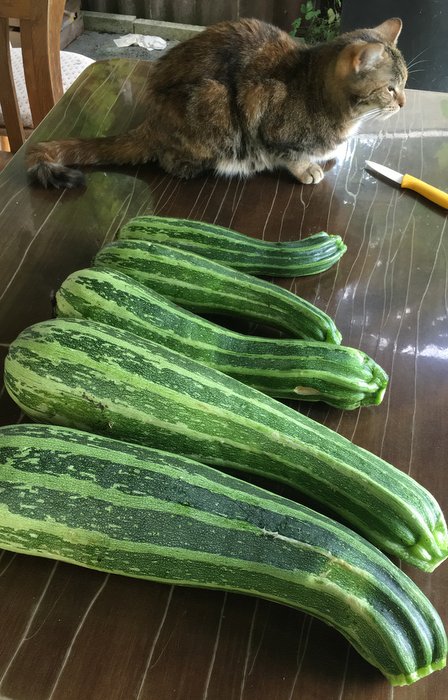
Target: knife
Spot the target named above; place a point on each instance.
(411, 183)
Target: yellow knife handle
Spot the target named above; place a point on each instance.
(428, 191)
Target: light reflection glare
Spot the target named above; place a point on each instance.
(433, 351)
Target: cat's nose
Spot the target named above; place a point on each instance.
(401, 98)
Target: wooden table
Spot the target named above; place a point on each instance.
(70, 633)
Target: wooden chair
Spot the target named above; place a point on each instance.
(40, 27)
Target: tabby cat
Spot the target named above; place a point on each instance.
(242, 97)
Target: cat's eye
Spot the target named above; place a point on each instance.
(392, 90)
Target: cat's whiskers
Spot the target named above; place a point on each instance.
(374, 113)
(367, 116)
(361, 117)
(412, 61)
(412, 65)
(411, 69)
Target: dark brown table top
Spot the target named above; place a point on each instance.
(69, 633)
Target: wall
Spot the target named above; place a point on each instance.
(204, 12)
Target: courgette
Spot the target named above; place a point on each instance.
(291, 369)
(131, 510)
(90, 376)
(204, 286)
(308, 256)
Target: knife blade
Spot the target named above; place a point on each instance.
(412, 183)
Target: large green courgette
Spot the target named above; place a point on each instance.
(308, 256)
(88, 375)
(204, 286)
(290, 369)
(131, 510)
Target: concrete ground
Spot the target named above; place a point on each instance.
(99, 45)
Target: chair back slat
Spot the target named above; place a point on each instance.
(8, 96)
(40, 27)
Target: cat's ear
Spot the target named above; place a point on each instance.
(361, 57)
(390, 29)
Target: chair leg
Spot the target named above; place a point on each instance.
(8, 97)
(41, 58)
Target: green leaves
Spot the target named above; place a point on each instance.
(318, 26)
(309, 11)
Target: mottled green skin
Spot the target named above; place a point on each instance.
(131, 510)
(204, 286)
(90, 376)
(291, 369)
(254, 256)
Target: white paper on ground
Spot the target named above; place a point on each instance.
(145, 42)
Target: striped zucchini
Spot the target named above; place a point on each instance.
(292, 369)
(132, 510)
(308, 256)
(204, 286)
(87, 375)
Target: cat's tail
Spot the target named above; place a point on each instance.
(48, 162)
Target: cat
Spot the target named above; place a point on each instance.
(242, 97)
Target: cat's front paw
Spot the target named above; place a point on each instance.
(310, 174)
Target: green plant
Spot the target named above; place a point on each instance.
(318, 25)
